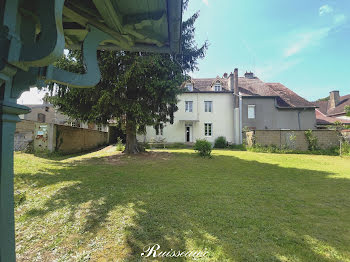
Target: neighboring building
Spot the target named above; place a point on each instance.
(47, 113)
(211, 107)
(332, 110)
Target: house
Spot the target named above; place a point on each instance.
(332, 109)
(222, 106)
(47, 113)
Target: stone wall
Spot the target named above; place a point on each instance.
(293, 139)
(72, 139)
(23, 135)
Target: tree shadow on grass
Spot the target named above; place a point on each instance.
(237, 210)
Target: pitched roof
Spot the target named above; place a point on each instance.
(339, 109)
(322, 119)
(255, 87)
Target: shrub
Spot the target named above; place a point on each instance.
(311, 140)
(203, 147)
(345, 148)
(347, 110)
(119, 145)
(220, 142)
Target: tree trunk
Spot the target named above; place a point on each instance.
(132, 146)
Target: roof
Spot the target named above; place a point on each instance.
(285, 97)
(326, 115)
(322, 119)
(144, 25)
(339, 109)
(38, 105)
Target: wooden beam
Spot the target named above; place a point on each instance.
(110, 15)
(84, 20)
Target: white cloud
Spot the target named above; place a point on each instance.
(306, 39)
(339, 19)
(313, 37)
(33, 96)
(206, 2)
(325, 9)
(271, 69)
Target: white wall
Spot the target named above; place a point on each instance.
(221, 118)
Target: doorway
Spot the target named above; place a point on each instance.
(188, 133)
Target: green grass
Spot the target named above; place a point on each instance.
(239, 206)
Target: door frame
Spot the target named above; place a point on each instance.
(190, 126)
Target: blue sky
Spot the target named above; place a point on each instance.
(303, 44)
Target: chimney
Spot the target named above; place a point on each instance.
(235, 87)
(249, 75)
(334, 99)
(230, 82)
(225, 75)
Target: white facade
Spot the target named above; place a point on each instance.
(190, 126)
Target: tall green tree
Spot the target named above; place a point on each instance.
(136, 89)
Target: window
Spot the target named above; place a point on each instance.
(99, 127)
(188, 106)
(217, 87)
(41, 118)
(208, 106)
(159, 129)
(73, 124)
(189, 87)
(207, 129)
(251, 111)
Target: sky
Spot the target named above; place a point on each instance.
(303, 44)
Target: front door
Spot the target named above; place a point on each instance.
(188, 134)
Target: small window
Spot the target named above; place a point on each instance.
(41, 118)
(189, 106)
(208, 106)
(207, 129)
(73, 124)
(189, 87)
(159, 129)
(99, 127)
(251, 111)
(217, 87)
(47, 109)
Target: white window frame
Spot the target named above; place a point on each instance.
(189, 87)
(189, 106)
(208, 127)
(99, 127)
(217, 87)
(251, 114)
(208, 106)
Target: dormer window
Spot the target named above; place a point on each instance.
(217, 87)
(189, 87)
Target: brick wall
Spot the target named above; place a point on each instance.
(294, 139)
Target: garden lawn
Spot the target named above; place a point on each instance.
(238, 206)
